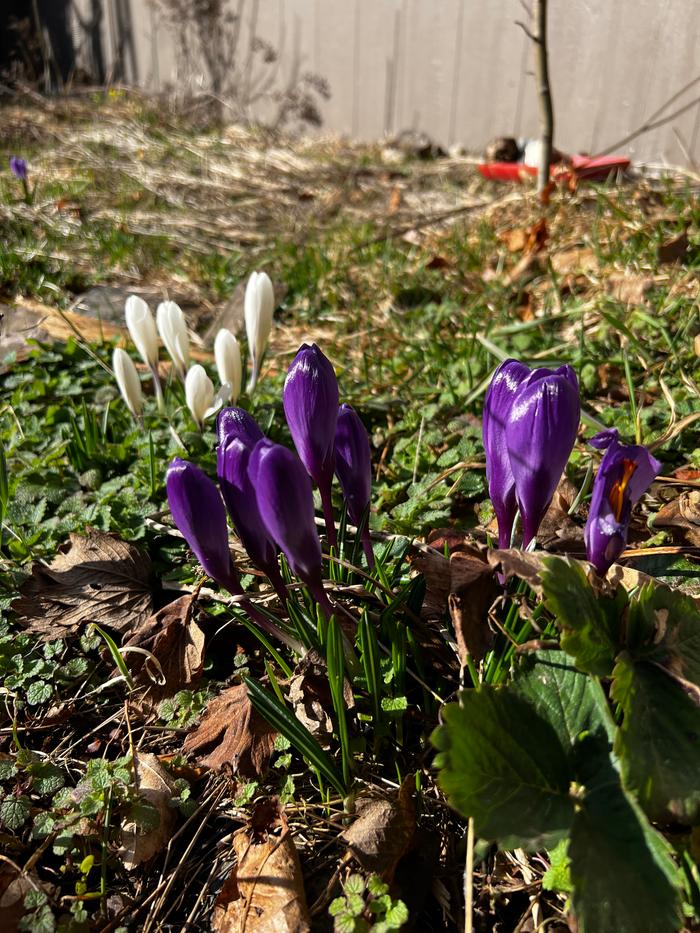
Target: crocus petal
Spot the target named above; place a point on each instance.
(259, 307)
(142, 329)
(285, 500)
(310, 399)
(239, 496)
(604, 439)
(199, 513)
(540, 434)
(18, 167)
(237, 423)
(172, 328)
(227, 354)
(353, 463)
(199, 394)
(624, 475)
(128, 381)
(500, 396)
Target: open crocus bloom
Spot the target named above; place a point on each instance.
(529, 428)
(624, 475)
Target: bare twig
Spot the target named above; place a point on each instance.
(539, 36)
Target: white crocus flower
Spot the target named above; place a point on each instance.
(199, 393)
(173, 332)
(227, 354)
(142, 329)
(128, 381)
(259, 308)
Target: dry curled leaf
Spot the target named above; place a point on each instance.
(674, 249)
(232, 734)
(310, 696)
(473, 590)
(682, 516)
(265, 891)
(173, 637)
(383, 829)
(100, 578)
(156, 788)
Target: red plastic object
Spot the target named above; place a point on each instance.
(594, 169)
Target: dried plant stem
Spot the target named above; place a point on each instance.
(539, 37)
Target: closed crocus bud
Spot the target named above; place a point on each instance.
(227, 354)
(540, 434)
(239, 496)
(285, 500)
(172, 328)
(142, 329)
(310, 400)
(353, 467)
(500, 396)
(128, 381)
(18, 167)
(259, 306)
(624, 475)
(199, 394)
(200, 515)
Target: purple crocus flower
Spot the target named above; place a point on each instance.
(353, 467)
(285, 500)
(500, 396)
(239, 496)
(18, 167)
(310, 401)
(540, 434)
(199, 513)
(624, 475)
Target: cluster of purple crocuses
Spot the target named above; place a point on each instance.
(267, 488)
(530, 424)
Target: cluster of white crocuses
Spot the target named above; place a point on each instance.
(170, 325)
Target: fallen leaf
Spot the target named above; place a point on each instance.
(473, 588)
(234, 734)
(383, 829)
(394, 200)
(630, 288)
(173, 637)
(438, 262)
(310, 695)
(265, 891)
(674, 249)
(100, 578)
(579, 260)
(155, 786)
(682, 516)
(687, 474)
(14, 886)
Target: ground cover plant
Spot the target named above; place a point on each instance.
(398, 716)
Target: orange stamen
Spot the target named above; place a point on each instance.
(617, 497)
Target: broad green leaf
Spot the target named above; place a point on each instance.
(658, 741)
(558, 875)
(665, 628)
(590, 622)
(14, 811)
(503, 764)
(673, 569)
(624, 880)
(571, 701)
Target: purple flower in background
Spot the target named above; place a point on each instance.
(310, 399)
(285, 500)
(239, 496)
(199, 513)
(540, 435)
(353, 467)
(499, 400)
(624, 475)
(18, 167)
(235, 424)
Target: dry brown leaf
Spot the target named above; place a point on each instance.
(630, 288)
(100, 578)
(578, 260)
(674, 249)
(682, 515)
(310, 696)
(156, 787)
(176, 641)
(232, 734)
(473, 590)
(265, 891)
(384, 828)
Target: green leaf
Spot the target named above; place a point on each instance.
(504, 765)
(14, 811)
(558, 875)
(658, 741)
(590, 622)
(39, 692)
(47, 778)
(624, 880)
(573, 702)
(667, 629)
